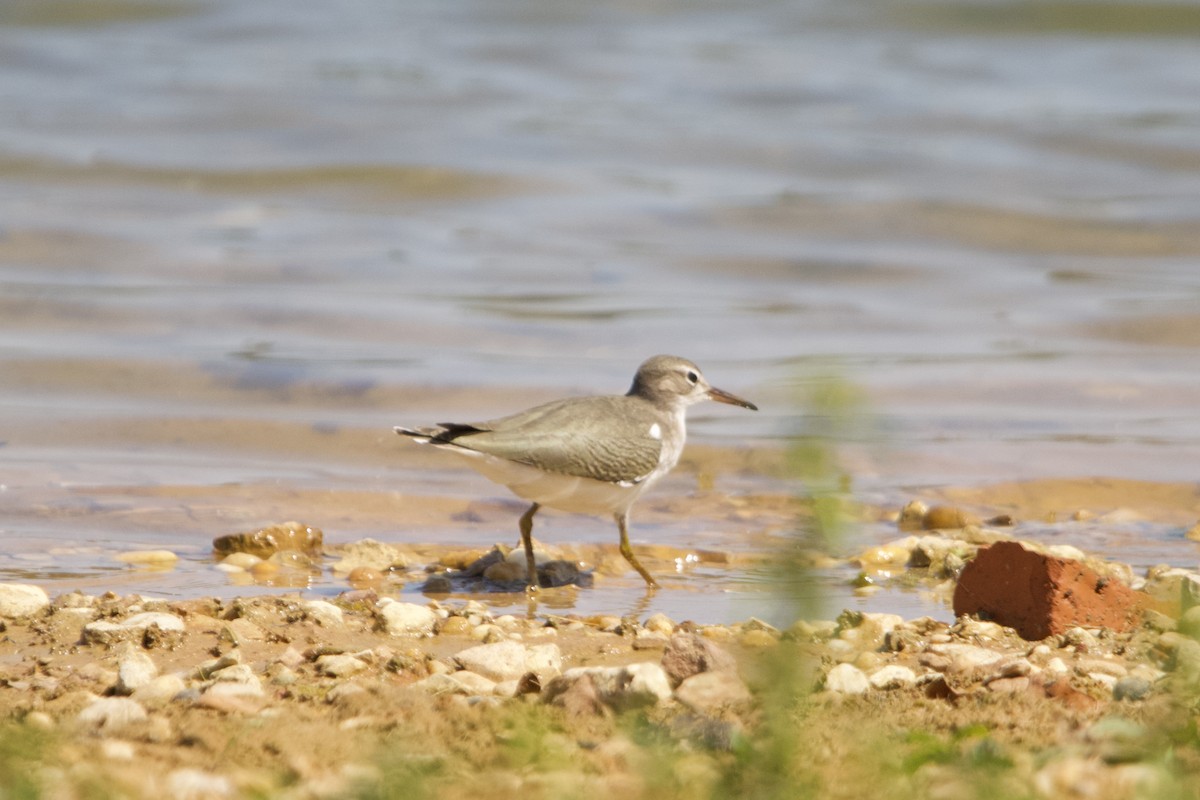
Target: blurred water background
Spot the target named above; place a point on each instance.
(239, 241)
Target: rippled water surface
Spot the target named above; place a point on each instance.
(239, 241)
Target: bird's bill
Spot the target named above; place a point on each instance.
(722, 396)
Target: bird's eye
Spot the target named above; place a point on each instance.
(692, 377)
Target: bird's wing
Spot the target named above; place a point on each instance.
(602, 438)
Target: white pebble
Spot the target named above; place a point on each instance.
(406, 619)
(846, 679)
(893, 676)
(21, 599)
(324, 613)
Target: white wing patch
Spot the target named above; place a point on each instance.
(655, 431)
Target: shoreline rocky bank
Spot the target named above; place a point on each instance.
(365, 695)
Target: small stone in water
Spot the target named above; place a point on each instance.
(944, 518)
(364, 577)
(240, 560)
(154, 558)
(438, 583)
(272, 539)
(505, 572)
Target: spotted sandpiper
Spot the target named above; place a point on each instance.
(590, 455)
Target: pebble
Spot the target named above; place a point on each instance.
(708, 692)
(148, 558)
(758, 638)
(234, 689)
(340, 666)
(438, 583)
(966, 657)
(112, 715)
(718, 633)
(1131, 687)
(159, 691)
(372, 555)
(487, 632)
(454, 626)
(687, 654)
(868, 661)
(473, 682)
(235, 673)
(912, 516)
(241, 561)
(267, 541)
(624, 687)
(364, 577)
(21, 600)
(406, 619)
(509, 660)
(323, 613)
(1079, 638)
(105, 632)
(506, 572)
(195, 784)
(264, 570)
(1100, 665)
(1016, 668)
(649, 640)
(893, 676)
(282, 675)
(944, 518)
(846, 679)
(447, 683)
(117, 750)
(135, 669)
(39, 720)
(1189, 622)
(659, 623)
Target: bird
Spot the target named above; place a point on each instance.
(589, 455)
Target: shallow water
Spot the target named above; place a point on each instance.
(239, 241)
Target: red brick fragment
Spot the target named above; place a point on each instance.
(1040, 595)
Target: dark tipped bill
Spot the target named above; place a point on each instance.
(732, 399)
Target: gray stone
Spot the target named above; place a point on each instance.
(688, 654)
(21, 600)
(1132, 687)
